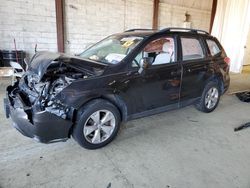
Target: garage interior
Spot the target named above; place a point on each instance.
(180, 148)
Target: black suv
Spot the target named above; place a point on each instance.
(125, 76)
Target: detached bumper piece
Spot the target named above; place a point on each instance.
(42, 126)
(244, 126)
(244, 96)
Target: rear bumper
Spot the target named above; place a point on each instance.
(42, 126)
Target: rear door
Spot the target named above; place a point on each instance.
(196, 67)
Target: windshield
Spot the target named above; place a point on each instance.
(112, 49)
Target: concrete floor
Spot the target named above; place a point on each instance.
(179, 149)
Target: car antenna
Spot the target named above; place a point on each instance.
(16, 50)
(36, 48)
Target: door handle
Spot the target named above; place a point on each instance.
(175, 73)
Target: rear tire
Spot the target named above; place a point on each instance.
(210, 98)
(97, 124)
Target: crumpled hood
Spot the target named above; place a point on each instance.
(42, 60)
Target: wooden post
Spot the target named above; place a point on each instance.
(155, 14)
(213, 12)
(60, 25)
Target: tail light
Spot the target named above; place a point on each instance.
(227, 60)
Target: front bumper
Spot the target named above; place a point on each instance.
(42, 126)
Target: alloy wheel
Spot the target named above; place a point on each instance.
(212, 97)
(99, 126)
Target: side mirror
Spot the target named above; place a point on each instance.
(145, 62)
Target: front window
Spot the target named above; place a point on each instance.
(162, 50)
(112, 49)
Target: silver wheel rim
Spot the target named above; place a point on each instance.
(99, 126)
(211, 97)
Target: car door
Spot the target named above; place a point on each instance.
(161, 86)
(157, 87)
(195, 68)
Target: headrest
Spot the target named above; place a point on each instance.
(166, 47)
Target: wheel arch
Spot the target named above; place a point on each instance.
(116, 100)
(119, 103)
(218, 79)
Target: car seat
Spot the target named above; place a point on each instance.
(165, 56)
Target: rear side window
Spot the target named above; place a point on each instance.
(213, 47)
(191, 49)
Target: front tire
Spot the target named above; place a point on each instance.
(210, 98)
(97, 124)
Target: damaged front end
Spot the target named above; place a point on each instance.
(32, 102)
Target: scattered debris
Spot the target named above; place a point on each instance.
(246, 125)
(191, 120)
(244, 96)
(194, 121)
(109, 185)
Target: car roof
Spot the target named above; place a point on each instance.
(138, 33)
(149, 32)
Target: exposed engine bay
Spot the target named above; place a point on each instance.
(39, 87)
(42, 94)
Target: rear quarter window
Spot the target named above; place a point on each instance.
(191, 49)
(213, 47)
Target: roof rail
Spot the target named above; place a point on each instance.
(183, 29)
(129, 30)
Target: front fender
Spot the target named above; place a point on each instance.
(80, 92)
(77, 99)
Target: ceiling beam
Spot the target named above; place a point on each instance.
(155, 14)
(213, 12)
(60, 25)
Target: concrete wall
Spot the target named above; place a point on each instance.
(86, 22)
(174, 15)
(29, 22)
